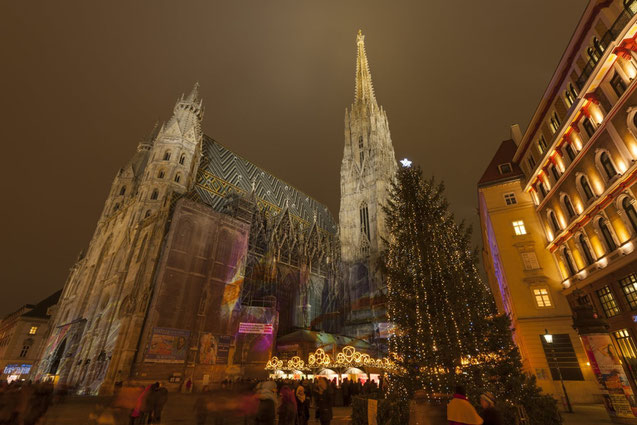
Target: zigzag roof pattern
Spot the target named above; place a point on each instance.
(222, 172)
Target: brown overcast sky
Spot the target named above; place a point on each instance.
(83, 82)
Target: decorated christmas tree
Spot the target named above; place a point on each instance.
(447, 329)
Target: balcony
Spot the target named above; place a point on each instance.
(620, 23)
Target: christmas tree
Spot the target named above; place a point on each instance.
(447, 329)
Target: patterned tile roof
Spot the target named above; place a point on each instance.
(222, 172)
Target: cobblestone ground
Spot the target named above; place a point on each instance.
(590, 414)
(178, 411)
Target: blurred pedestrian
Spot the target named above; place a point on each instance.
(287, 407)
(302, 406)
(490, 414)
(460, 411)
(160, 397)
(324, 402)
(266, 412)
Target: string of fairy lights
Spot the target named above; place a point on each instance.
(437, 301)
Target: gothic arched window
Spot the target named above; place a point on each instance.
(161, 174)
(607, 235)
(122, 191)
(364, 216)
(588, 256)
(182, 159)
(631, 213)
(569, 206)
(607, 165)
(586, 188)
(155, 194)
(554, 223)
(177, 177)
(570, 265)
(167, 156)
(361, 150)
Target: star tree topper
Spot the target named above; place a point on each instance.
(406, 162)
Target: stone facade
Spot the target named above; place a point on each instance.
(367, 170)
(196, 244)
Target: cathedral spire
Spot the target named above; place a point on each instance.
(364, 88)
(193, 97)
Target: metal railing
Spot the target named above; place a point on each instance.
(620, 23)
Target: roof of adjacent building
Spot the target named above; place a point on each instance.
(504, 155)
(41, 308)
(222, 172)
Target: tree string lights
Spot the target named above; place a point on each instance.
(447, 329)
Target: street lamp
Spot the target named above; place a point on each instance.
(549, 341)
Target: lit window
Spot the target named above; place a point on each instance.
(607, 300)
(542, 298)
(33, 330)
(519, 228)
(505, 168)
(627, 349)
(509, 198)
(629, 286)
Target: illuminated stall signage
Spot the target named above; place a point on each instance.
(255, 328)
(16, 369)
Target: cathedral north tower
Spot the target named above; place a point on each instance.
(367, 170)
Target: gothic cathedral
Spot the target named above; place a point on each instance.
(203, 265)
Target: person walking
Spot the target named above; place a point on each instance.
(266, 412)
(490, 414)
(460, 411)
(302, 406)
(287, 408)
(324, 402)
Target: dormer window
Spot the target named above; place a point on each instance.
(505, 168)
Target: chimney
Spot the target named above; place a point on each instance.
(516, 134)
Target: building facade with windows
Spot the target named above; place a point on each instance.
(578, 158)
(526, 282)
(23, 335)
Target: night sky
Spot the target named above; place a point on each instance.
(84, 82)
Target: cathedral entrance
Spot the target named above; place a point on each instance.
(55, 363)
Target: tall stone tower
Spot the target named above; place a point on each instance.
(103, 306)
(367, 169)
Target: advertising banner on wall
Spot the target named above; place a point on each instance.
(207, 348)
(618, 395)
(223, 349)
(167, 345)
(255, 328)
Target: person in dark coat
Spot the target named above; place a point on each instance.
(347, 396)
(490, 414)
(302, 406)
(324, 402)
(158, 401)
(287, 408)
(266, 412)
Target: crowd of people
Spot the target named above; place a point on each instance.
(24, 403)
